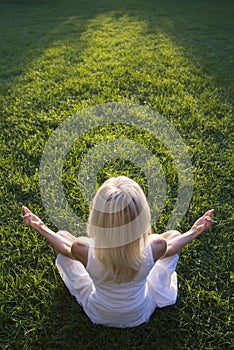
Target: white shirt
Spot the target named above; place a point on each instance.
(120, 305)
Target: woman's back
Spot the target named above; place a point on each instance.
(123, 304)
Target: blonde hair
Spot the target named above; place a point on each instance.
(119, 222)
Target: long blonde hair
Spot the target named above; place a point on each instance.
(119, 222)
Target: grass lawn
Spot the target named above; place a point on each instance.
(63, 57)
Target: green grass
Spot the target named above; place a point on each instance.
(60, 57)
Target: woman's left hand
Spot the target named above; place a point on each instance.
(204, 222)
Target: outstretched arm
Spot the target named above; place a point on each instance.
(60, 243)
(175, 244)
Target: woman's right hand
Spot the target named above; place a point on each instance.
(31, 219)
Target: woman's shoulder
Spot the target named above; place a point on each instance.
(158, 246)
(80, 249)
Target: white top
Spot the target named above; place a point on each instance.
(120, 305)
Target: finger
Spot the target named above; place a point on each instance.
(26, 210)
(27, 219)
(209, 219)
(209, 213)
(208, 222)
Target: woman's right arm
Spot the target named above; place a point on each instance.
(61, 244)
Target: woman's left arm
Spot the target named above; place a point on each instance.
(175, 244)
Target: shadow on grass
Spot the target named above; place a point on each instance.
(198, 320)
(203, 28)
(66, 327)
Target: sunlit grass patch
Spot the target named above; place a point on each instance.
(84, 57)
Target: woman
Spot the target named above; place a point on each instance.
(122, 272)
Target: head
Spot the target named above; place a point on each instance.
(119, 219)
